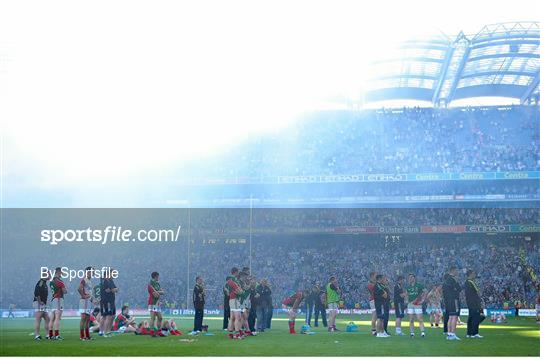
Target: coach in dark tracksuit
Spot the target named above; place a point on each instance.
(472, 296)
(226, 310)
(320, 306)
(198, 304)
(451, 290)
(382, 303)
(399, 303)
(445, 315)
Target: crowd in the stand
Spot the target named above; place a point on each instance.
(390, 141)
(291, 266)
(224, 219)
(290, 263)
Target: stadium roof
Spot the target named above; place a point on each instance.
(501, 60)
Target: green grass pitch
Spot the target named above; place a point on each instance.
(516, 338)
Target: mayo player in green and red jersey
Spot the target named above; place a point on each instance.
(154, 294)
(233, 289)
(291, 304)
(85, 290)
(58, 290)
(416, 294)
(123, 322)
(245, 300)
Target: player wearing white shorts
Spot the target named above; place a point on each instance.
(154, 305)
(40, 306)
(333, 296)
(245, 302)
(85, 290)
(434, 309)
(291, 304)
(58, 290)
(416, 294)
(233, 289)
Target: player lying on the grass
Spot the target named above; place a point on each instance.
(291, 304)
(434, 298)
(416, 294)
(169, 327)
(143, 328)
(40, 306)
(58, 290)
(123, 322)
(154, 304)
(94, 319)
(85, 290)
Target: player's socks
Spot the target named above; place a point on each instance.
(87, 332)
(50, 333)
(82, 333)
(398, 330)
(291, 327)
(56, 333)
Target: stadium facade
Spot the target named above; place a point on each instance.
(501, 60)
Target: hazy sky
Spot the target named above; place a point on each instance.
(91, 92)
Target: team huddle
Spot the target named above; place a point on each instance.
(97, 308)
(98, 311)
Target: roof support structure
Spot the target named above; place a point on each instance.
(530, 89)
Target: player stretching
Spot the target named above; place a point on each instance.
(58, 290)
(333, 294)
(434, 305)
(290, 304)
(399, 303)
(233, 289)
(371, 290)
(416, 294)
(40, 306)
(85, 290)
(154, 294)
